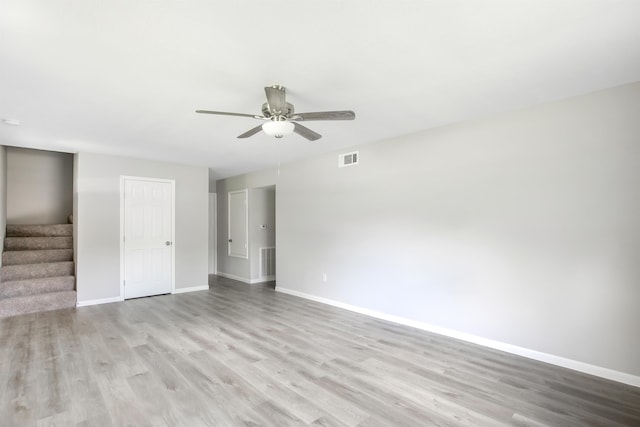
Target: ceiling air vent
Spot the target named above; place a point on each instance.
(348, 159)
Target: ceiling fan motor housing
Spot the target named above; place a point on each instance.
(266, 111)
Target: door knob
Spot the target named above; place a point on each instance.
(230, 240)
(167, 243)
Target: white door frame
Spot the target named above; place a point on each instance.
(123, 178)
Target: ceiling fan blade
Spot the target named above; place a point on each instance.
(224, 113)
(251, 132)
(325, 115)
(276, 98)
(306, 132)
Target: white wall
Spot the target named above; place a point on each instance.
(39, 186)
(521, 228)
(98, 222)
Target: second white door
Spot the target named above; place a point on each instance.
(148, 237)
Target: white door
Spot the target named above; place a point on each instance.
(238, 222)
(147, 237)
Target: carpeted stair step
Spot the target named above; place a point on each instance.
(34, 303)
(37, 243)
(10, 273)
(20, 288)
(35, 257)
(37, 272)
(53, 230)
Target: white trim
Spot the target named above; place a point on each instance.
(586, 368)
(99, 301)
(123, 178)
(191, 289)
(231, 276)
(173, 234)
(245, 280)
(262, 279)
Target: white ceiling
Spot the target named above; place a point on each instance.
(124, 77)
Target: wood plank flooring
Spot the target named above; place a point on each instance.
(244, 355)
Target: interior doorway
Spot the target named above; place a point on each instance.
(263, 234)
(147, 236)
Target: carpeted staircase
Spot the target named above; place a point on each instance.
(37, 271)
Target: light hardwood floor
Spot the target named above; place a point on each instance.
(241, 355)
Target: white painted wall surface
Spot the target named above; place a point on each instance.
(520, 228)
(98, 222)
(39, 186)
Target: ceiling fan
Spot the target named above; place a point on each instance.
(281, 119)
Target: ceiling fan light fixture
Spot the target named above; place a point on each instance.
(278, 128)
(281, 121)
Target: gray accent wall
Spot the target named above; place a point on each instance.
(262, 211)
(520, 228)
(237, 267)
(3, 196)
(39, 186)
(98, 222)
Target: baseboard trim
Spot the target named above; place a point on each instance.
(262, 279)
(191, 289)
(575, 365)
(98, 301)
(231, 276)
(245, 280)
